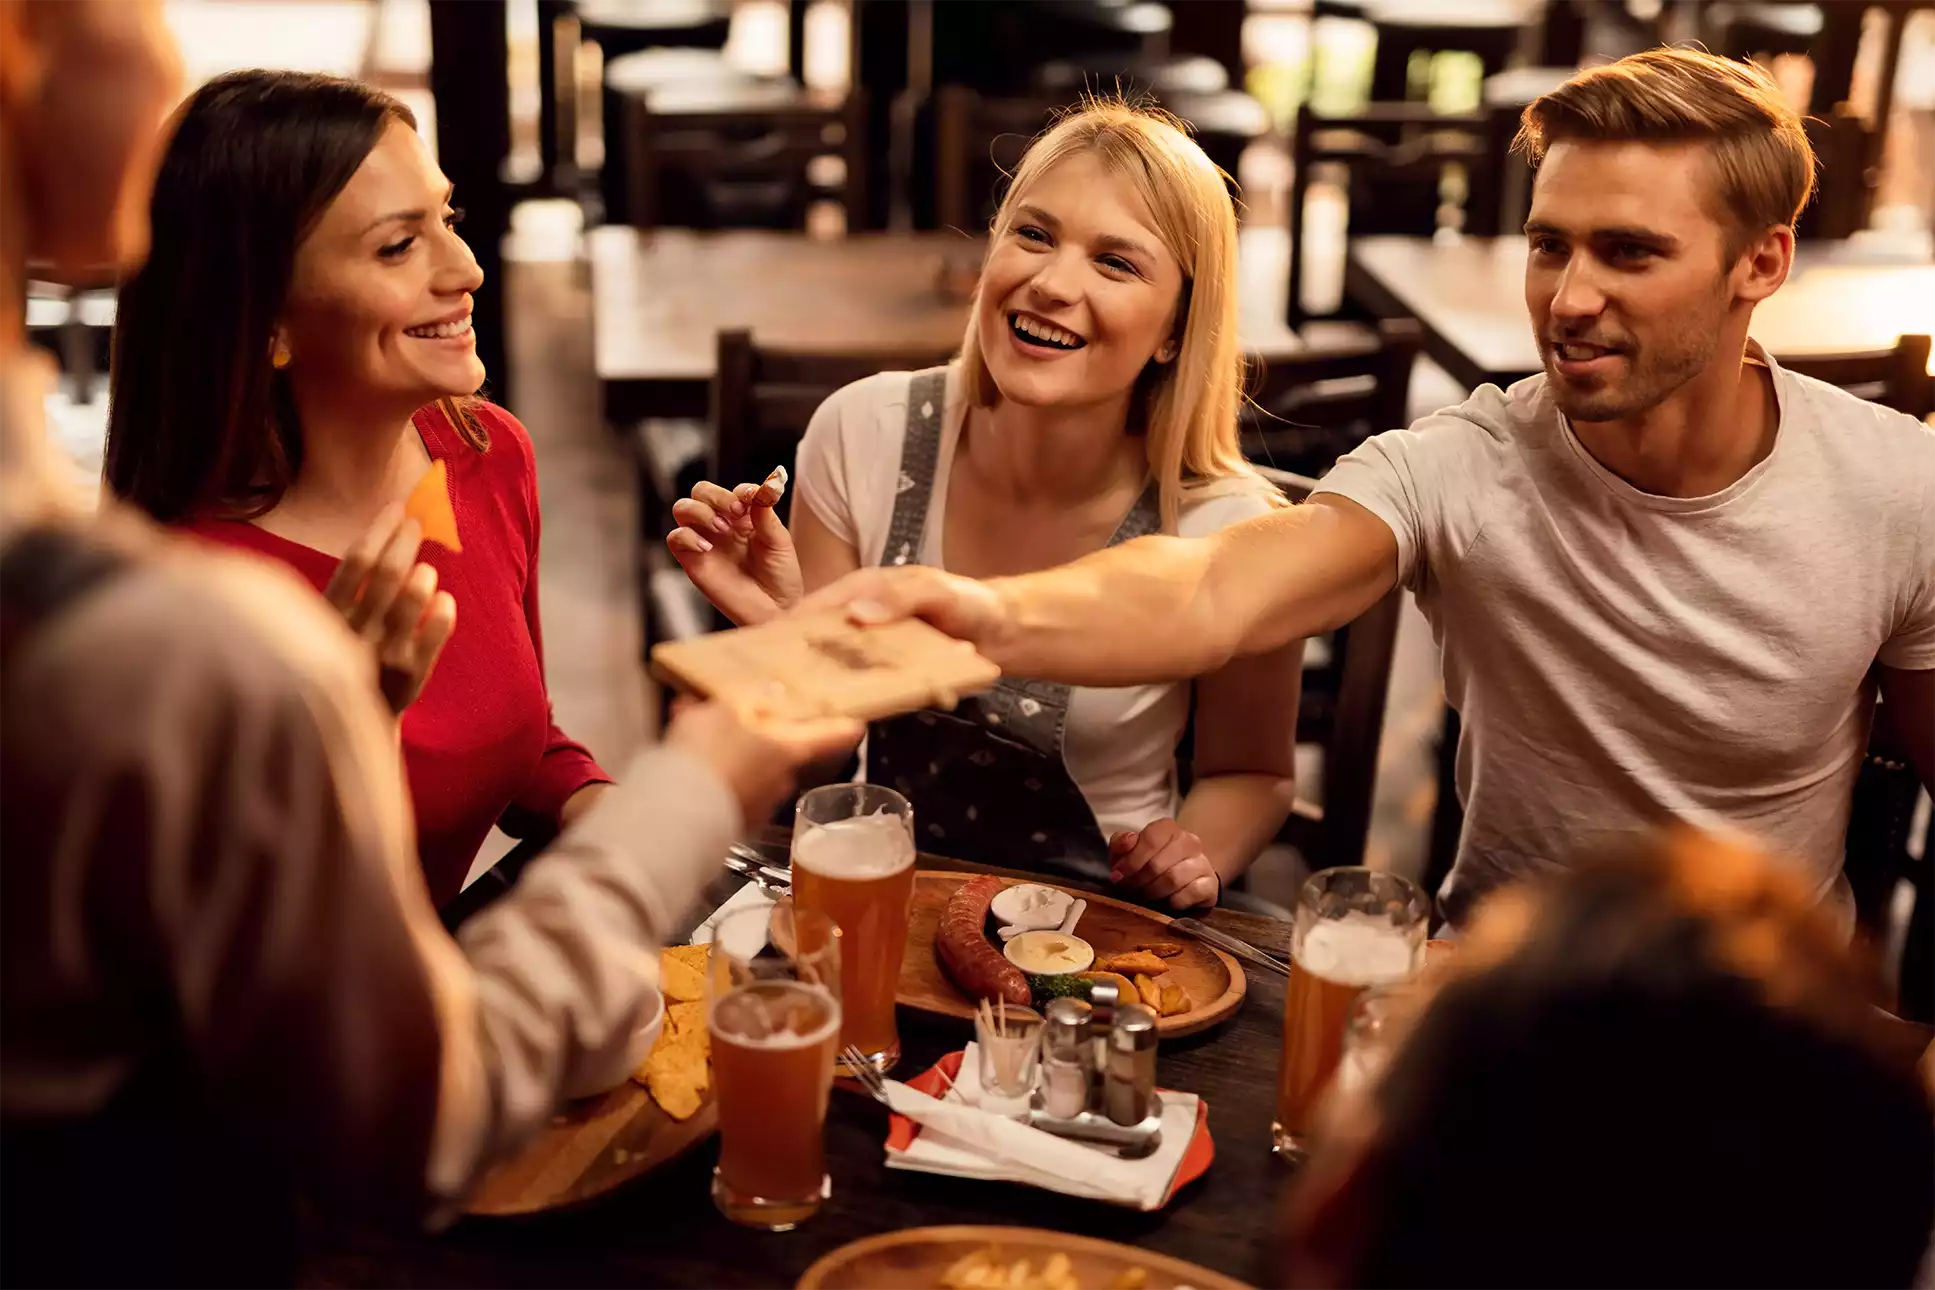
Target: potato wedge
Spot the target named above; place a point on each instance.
(1151, 992)
(1175, 1001)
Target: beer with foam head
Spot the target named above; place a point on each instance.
(853, 860)
(773, 1046)
(773, 1019)
(1356, 928)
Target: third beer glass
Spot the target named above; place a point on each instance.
(853, 860)
(1355, 928)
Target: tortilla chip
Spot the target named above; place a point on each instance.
(1131, 964)
(687, 1021)
(681, 972)
(429, 505)
(676, 1074)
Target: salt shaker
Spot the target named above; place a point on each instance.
(1103, 999)
(1129, 1078)
(1067, 1059)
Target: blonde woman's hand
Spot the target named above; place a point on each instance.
(390, 599)
(1164, 861)
(759, 757)
(735, 550)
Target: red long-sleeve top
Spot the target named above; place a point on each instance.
(480, 744)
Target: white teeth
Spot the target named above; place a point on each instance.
(441, 331)
(1046, 331)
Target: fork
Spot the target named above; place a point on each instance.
(863, 1072)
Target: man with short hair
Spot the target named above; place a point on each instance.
(1666, 575)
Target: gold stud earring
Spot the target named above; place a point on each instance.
(279, 357)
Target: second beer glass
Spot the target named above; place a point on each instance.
(1355, 928)
(853, 860)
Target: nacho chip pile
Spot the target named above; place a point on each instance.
(676, 1071)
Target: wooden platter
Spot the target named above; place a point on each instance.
(590, 1147)
(917, 1258)
(1214, 980)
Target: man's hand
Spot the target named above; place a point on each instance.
(962, 607)
(1164, 861)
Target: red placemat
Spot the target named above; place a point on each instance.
(938, 1078)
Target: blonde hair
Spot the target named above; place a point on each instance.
(1190, 404)
(1760, 148)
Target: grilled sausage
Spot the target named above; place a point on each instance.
(967, 954)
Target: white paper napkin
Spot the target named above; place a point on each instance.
(747, 897)
(963, 1141)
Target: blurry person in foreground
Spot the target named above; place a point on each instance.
(223, 988)
(1661, 1070)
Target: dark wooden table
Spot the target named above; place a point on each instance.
(660, 298)
(1469, 297)
(663, 1231)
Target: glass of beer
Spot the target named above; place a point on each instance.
(773, 1009)
(853, 860)
(1355, 928)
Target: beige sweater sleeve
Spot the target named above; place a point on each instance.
(217, 812)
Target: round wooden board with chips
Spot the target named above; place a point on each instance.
(598, 1143)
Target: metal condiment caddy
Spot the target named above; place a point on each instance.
(1098, 1073)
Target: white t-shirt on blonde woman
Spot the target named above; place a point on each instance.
(1120, 743)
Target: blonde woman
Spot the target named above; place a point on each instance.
(1095, 400)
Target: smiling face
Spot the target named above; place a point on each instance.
(379, 307)
(1079, 294)
(1630, 281)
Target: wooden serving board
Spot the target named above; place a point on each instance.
(1214, 980)
(590, 1147)
(919, 1256)
(822, 665)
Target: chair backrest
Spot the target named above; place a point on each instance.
(979, 140)
(763, 398)
(1896, 378)
(1308, 409)
(1343, 712)
(1395, 156)
(742, 154)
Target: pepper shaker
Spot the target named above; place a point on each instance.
(1129, 1079)
(1067, 1059)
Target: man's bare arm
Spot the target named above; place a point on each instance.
(1157, 609)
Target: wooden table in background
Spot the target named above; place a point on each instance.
(1469, 296)
(660, 298)
(663, 1231)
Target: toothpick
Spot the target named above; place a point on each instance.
(1004, 1017)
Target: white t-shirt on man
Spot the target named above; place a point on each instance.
(1120, 743)
(1621, 660)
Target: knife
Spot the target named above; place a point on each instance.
(1241, 949)
(774, 882)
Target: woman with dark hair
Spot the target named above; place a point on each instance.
(291, 363)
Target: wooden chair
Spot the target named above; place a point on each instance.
(739, 154)
(762, 400)
(1343, 713)
(979, 140)
(1396, 156)
(1309, 409)
(1494, 30)
(1896, 378)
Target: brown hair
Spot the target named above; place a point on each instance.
(1666, 1057)
(1760, 148)
(199, 421)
